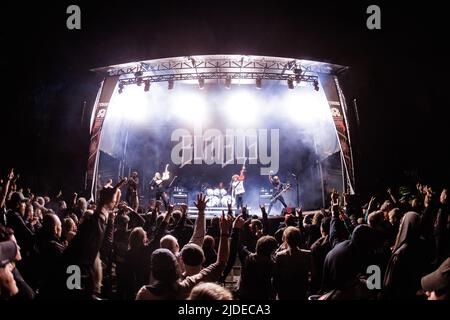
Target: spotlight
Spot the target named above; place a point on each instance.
(171, 84)
(146, 85)
(290, 83)
(258, 83)
(228, 82)
(138, 74)
(201, 83)
(120, 87)
(316, 85)
(298, 73)
(139, 81)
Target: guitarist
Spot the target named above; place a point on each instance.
(279, 187)
(157, 184)
(237, 187)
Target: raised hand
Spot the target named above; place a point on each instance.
(225, 224)
(183, 208)
(263, 209)
(110, 196)
(10, 174)
(239, 222)
(201, 202)
(229, 208)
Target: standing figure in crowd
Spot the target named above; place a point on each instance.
(157, 184)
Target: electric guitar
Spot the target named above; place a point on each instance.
(166, 173)
(280, 193)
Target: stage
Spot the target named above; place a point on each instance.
(206, 117)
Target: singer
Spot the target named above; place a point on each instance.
(157, 184)
(237, 187)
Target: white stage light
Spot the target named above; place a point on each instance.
(188, 107)
(305, 106)
(242, 109)
(133, 105)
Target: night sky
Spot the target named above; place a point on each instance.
(398, 74)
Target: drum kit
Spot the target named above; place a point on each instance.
(218, 198)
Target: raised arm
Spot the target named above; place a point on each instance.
(234, 243)
(200, 228)
(265, 220)
(270, 176)
(225, 225)
(5, 189)
(242, 173)
(136, 217)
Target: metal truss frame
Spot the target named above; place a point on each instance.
(220, 67)
(219, 76)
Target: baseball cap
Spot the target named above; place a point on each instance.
(438, 279)
(17, 197)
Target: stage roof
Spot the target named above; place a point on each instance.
(205, 65)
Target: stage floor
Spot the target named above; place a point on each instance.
(211, 212)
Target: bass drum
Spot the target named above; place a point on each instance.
(212, 201)
(209, 192)
(225, 199)
(216, 192)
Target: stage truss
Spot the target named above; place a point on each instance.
(218, 67)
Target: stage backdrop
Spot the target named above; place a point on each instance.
(146, 130)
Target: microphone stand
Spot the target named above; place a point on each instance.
(297, 188)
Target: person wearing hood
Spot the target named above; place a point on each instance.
(408, 261)
(346, 262)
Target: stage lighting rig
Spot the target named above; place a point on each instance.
(121, 87)
(139, 81)
(290, 84)
(201, 83)
(258, 83)
(316, 85)
(171, 84)
(228, 82)
(298, 74)
(146, 85)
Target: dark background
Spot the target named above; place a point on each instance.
(398, 73)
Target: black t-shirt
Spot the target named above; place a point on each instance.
(157, 187)
(278, 186)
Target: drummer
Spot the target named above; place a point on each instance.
(222, 190)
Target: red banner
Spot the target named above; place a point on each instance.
(99, 114)
(338, 108)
